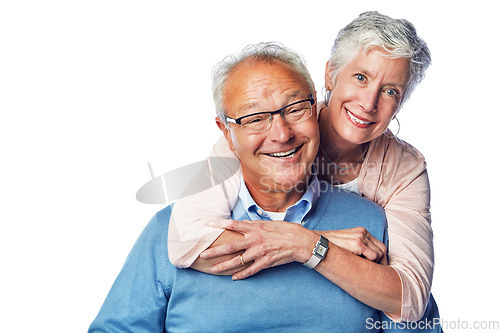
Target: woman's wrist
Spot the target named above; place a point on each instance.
(309, 240)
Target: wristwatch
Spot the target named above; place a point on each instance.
(318, 253)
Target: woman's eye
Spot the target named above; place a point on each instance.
(392, 92)
(360, 77)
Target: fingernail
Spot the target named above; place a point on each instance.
(214, 269)
(235, 278)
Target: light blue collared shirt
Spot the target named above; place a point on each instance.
(295, 213)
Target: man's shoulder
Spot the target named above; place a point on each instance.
(163, 216)
(332, 194)
(157, 228)
(347, 210)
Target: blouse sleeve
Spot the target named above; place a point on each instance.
(411, 251)
(188, 234)
(396, 178)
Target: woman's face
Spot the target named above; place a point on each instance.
(366, 95)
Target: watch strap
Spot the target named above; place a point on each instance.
(318, 253)
(312, 262)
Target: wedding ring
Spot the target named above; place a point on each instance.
(242, 261)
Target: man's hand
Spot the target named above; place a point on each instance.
(360, 242)
(266, 243)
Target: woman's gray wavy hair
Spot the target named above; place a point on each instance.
(397, 37)
(266, 52)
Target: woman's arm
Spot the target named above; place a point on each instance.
(408, 277)
(188, 235)
(406, 281)
(374, 284)
(219, 257)
(273, 243)
(411, 251)
(394, 175)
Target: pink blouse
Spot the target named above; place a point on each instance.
(393, 175)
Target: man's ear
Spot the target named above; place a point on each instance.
(227, 134)
(328, 76)
(315, 106)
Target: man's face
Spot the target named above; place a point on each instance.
(277, 159)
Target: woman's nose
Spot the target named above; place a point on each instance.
(368, 100)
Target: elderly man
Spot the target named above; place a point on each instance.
(276, 150)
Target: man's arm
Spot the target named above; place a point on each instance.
(137, 301)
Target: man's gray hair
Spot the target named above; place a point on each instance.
(265, 52)
(397, 37)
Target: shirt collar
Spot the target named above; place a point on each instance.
(295, 213)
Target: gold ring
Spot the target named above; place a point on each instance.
(241, 259)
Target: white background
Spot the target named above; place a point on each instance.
(93, 90)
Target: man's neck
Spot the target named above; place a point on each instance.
(276, 201)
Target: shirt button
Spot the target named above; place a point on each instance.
(303, 222)
(260, 212)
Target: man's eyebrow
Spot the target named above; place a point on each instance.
(292, 96)
(250, 106)
(297, 93)
(257, 105)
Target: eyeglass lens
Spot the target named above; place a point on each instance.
(292, 114)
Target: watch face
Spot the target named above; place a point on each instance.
(321, 250)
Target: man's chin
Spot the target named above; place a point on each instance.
(286, 184)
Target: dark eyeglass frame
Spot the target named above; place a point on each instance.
(272, 113)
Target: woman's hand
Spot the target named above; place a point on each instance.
(360, 242)
(266, 243)
(272, 243)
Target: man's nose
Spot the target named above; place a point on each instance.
(368, 99)
(280, 129)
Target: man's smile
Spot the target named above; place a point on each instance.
(285, 154)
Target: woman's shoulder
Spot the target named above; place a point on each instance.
(391, 164)
(393, 151)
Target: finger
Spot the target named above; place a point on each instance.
(257, 265)
(249, 271)
(262, 262)
(369, 248)
(370, 253)
(227, 265)
(377, 246)
(233, 225)
(383, 260)
(222, 249)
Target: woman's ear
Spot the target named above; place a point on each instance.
(222, 126)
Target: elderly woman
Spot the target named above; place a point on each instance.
(375, 64)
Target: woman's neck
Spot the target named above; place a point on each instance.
(332, 144)
(339, 160)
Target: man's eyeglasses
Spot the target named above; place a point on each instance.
(261, 121)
